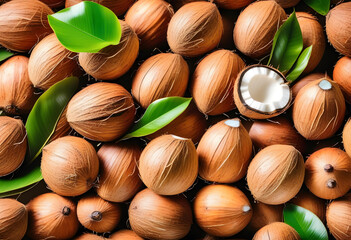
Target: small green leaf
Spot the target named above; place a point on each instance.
(320, 6)
(42, 120)
(287, 45)
(306, 223)
(86, 27)
(22, 181)
(300, 64)
(4, 54)
(160, 113)
(2, 113)
(17, 191)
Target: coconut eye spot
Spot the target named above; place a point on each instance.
(325, 85)
(263, 89)
(232, 123)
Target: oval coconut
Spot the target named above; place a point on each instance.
(342, 76)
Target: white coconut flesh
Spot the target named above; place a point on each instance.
(264, 90)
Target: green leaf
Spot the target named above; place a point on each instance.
(300, 64)
(160, 113)
(42, 120)
(4, 54)
(320, 6)
(2, 113)
(287, 45)
(86, 27)
(306, 223)
(22, 181)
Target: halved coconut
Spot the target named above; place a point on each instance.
(261, 92)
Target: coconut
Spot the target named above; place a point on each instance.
(328, 173)
(256, 26)
(339, 218)
(338, 28)
(261, 92)
(162, 75)
(213, 82)
(222, 210)
(169, 165)
(149, 20)
(264, 214)
(276, 174)
(195, 29)
(16, 90)
(228, 4)
(346, 137)
(319, 109)
(119, 7)
(23, 23)
(275, 231)
(52, 216)
(50, 62)
(13, 219)
(152, 216)
(287, 3)
(312, 34)
(342, 76)
(125, 234)
(101, 111)
(13, 144)
(89, 236)
(224, 152)
(119, 176)
(279, 130)
(306, 80)
(113, 61)
(69, 165)
(98, 215)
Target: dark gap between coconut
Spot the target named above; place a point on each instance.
(261, 92)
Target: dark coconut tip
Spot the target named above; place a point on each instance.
(331, 183)
(66, 211)
(328, 168)
(96, 216)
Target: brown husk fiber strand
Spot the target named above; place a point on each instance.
(310, 202)
(119, 176)
(278, 130)
(69, 166)
(50, 62)
(195, 29)
(16, 90)
(339, 218)
(23, 23)
(152, 216)
(342, 76)
(62, 127)
(255, 28)
(346, 137)
(119, 7)
(312, 34)
(13, 219)
(338, 28)
(276, 174)
(264, 214)
(115, 60)
(51, 216)
(213, 82)
(110, 214)
(305, 80)
(149, 20)
(224, 152)
(230, 4)
(169, 164)
(277, 231)
(317, 178)
(190, 124)
(101, 111)
(287, 3)
(318, 113)
(125, 234)
(162, 75)
(13, 144)
(222, 210)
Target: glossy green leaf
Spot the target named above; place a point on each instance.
(42, 120)
(4, 54)
(306, 223)
(300, 64)
(86, 27)
(160, 113)
(287, 45)
(320, 6)
(23, 180)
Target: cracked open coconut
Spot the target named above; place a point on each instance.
(261, 92)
